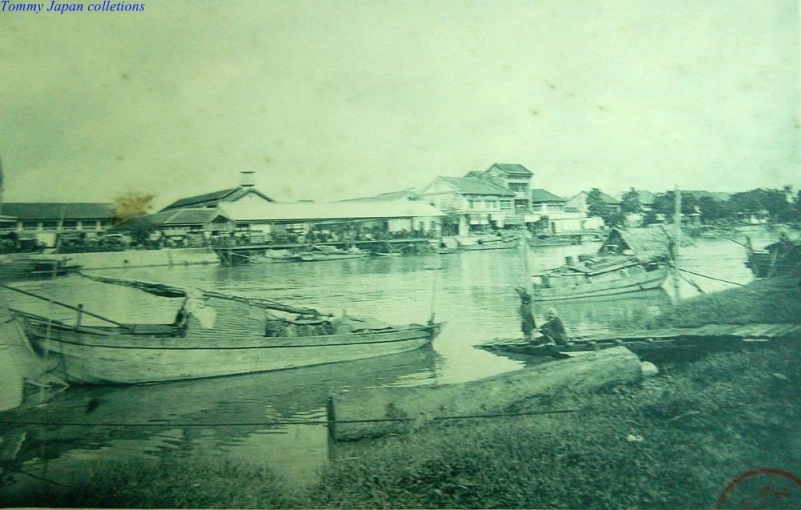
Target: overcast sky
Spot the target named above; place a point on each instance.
(337, 99)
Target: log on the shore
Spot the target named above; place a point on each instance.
(377, 412)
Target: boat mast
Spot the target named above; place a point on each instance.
(676, 243)
(529, 282)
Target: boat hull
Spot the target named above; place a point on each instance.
(536, 242)
(645, 281)
(86, 358)
(491, 245)
(324, 257)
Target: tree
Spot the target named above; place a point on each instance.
(597, 206)
(631, 202)
(595, 203)
(132, 204)
(713, 211)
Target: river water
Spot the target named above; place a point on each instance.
(276, 419)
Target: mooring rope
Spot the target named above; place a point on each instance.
(280, 422)
(711, 277)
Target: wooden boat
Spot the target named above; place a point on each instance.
(278, 256)
(628, 261)
(553, 240)
(323, 253)
(492, 243)
(781, 258)
(659, 344)
(213, 335)
(33, 267)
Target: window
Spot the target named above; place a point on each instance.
(506, 205)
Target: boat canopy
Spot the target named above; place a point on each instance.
(645, 244)
(170, 291)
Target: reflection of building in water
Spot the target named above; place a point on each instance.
(601, 314)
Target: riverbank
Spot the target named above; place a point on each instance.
(775, 300)
(673, 441)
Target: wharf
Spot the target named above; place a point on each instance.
(666, 343)
(232, 255)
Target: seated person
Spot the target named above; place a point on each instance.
(553, 331)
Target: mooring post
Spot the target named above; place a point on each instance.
(331, 419)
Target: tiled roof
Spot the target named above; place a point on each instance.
(716, 195)
(173, 218)
(608, 199)
(214, 198)
(57, 210)
(238, 211)
(386, 197)
(473, 186)
(644, 196)
(541, 195)
(512, 168)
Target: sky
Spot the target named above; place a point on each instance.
(327, 100)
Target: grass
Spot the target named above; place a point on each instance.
(777, 300)
(673, 441)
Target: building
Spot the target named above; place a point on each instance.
(178, 227)
(646, 201)
(579, 202)
(406, 194)
(32, 217)
(6, 222)
(517, 179)
(553, 215)
(244, 193)
(354, 218)
(471, 204)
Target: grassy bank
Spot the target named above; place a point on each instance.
(674, 441)
(776, 300)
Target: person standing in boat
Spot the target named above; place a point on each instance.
(526, 314)
(553, 330)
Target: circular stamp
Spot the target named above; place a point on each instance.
(762, 488)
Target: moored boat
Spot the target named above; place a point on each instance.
(322, 253)
(213, 335)
(492, 243)
(659, 344)
(628, 261)
(781, 258)
(35, 266)
(538, 240)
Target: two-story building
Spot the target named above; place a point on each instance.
(472, 204)
(553, 214)
(517, 179)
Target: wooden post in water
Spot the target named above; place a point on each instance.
(676, 244)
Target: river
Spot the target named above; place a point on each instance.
(249, 419)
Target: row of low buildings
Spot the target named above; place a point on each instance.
(501, 197)
(498, 198)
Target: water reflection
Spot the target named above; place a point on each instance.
(261, 418)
